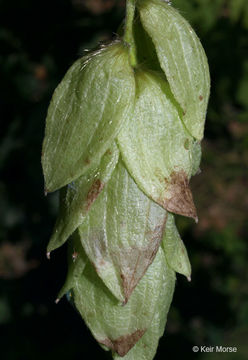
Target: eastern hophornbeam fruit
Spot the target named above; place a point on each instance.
(122, 140)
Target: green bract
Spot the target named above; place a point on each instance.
(146, 347)
(122, 233)
(76, 261)
(122, 141)
(182, 58)
(77, 198)
(120, 327)
(175, 251)
(87, 111)
(156, 148)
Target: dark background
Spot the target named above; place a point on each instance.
(39, 40)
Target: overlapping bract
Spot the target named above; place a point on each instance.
(122, 143)
(156, 148)
(87, 110)
(182, 58)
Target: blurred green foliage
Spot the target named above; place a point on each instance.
(38, 42)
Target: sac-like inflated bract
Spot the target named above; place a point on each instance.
(77, 199)
(86, 113)
(156, 148)
(120, 247)
(146, 347)
(122, 141)
(119, 327)
(182, 58)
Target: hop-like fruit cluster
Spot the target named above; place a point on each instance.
(121, 144)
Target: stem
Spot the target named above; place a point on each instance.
(128, 34)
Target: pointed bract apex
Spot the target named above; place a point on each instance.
(88, 108)
(125, 343)
(77, 198)
(174, 248)
(182, 58)
(119, 256)
(135, 262)
(181, 201)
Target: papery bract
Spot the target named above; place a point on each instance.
(86, 113)
(182, 58)
(156, 148)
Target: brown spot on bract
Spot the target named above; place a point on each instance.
(200, 97)
(135, 261)
(109, 152)
(94, 191)
(186, 144)
(181, 201)
(87, 161)
(124, 343)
